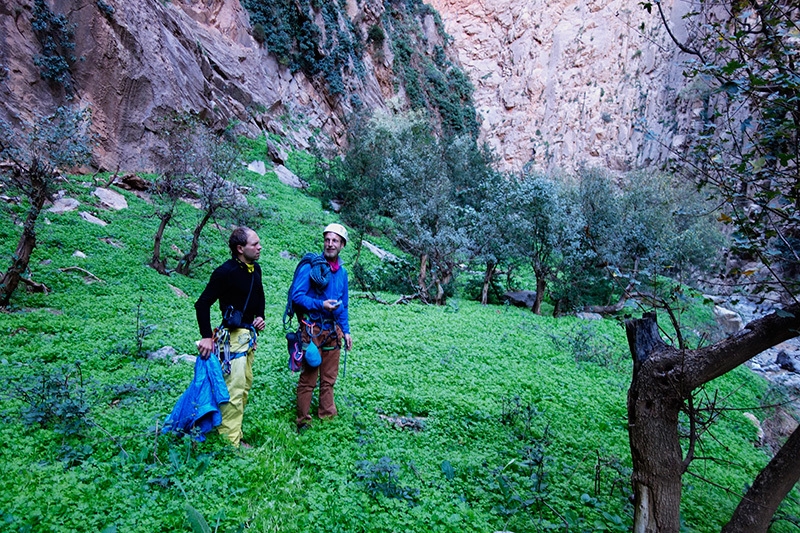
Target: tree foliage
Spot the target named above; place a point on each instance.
(743, 153)
(745, 149)
(195, 163)
(400, 180)
(32, 157)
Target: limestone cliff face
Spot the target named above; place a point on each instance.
(569, 82)
(138, 61)
(557, 83)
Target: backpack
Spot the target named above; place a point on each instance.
(320, 274)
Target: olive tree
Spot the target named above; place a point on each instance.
(32, 159)
(194, 162)
(396, 181)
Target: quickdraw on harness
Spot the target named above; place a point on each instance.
(323, 340)
(222, 347)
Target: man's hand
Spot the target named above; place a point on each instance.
(331, 305)
(205, 347)
(259, 323)
(348, 341)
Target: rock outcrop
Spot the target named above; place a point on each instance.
(570, 82)
(137, 62)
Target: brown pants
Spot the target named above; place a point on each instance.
(329, 346)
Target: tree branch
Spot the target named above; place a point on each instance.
(722, 357)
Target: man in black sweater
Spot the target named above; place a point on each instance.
(236, 283)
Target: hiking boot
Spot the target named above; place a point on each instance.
(302, 428)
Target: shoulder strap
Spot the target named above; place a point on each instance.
(252, 279)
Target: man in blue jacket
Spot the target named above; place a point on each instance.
(323, 315)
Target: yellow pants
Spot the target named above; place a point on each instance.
(239, 382)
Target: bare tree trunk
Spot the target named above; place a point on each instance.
(491, 267)
(186, 260)
(653, 408)
(423, 274)
(663, 379)
(26, 243)
(159, 264)
(755, 511)
(541, 285)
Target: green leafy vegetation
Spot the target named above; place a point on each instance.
(320, 40)
(456, 418)
(55, 34)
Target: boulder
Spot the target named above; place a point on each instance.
(787, 361)
(167, 352)
(258, 167)
(276, 153)
(287, 177)
(589, 316)
(110, 199)
(88, 217)
(64, 205)
(520, 298)
(730, 321)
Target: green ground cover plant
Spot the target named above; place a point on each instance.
(455, 418)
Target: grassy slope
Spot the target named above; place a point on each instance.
(502, 400)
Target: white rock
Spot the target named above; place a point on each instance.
(110, 199)
(64, 205)
(88, 217)
(287, 177)
(258, 167)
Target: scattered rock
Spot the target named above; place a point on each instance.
(110, 199)
(79, 254)
(88, 217)
(64, 205)
(787, 361)
(414, 423)
(759, 430)
(132, 182)
(589, 316)
(179, 293)
(520, 298)
(336, 207)
(113, 242)
(276, 153)
(162, 353)
(285, 254)
(184, 357)
(45, 261)
(729, 321)
(287, 177)
(258, 167)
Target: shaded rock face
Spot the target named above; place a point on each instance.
(147, 58)
(569, 82)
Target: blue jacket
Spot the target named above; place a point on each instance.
(198, 406)
(307, 296)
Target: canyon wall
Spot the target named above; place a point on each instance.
(557, 84)
(564, 83)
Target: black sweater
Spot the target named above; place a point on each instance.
(229, 284)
